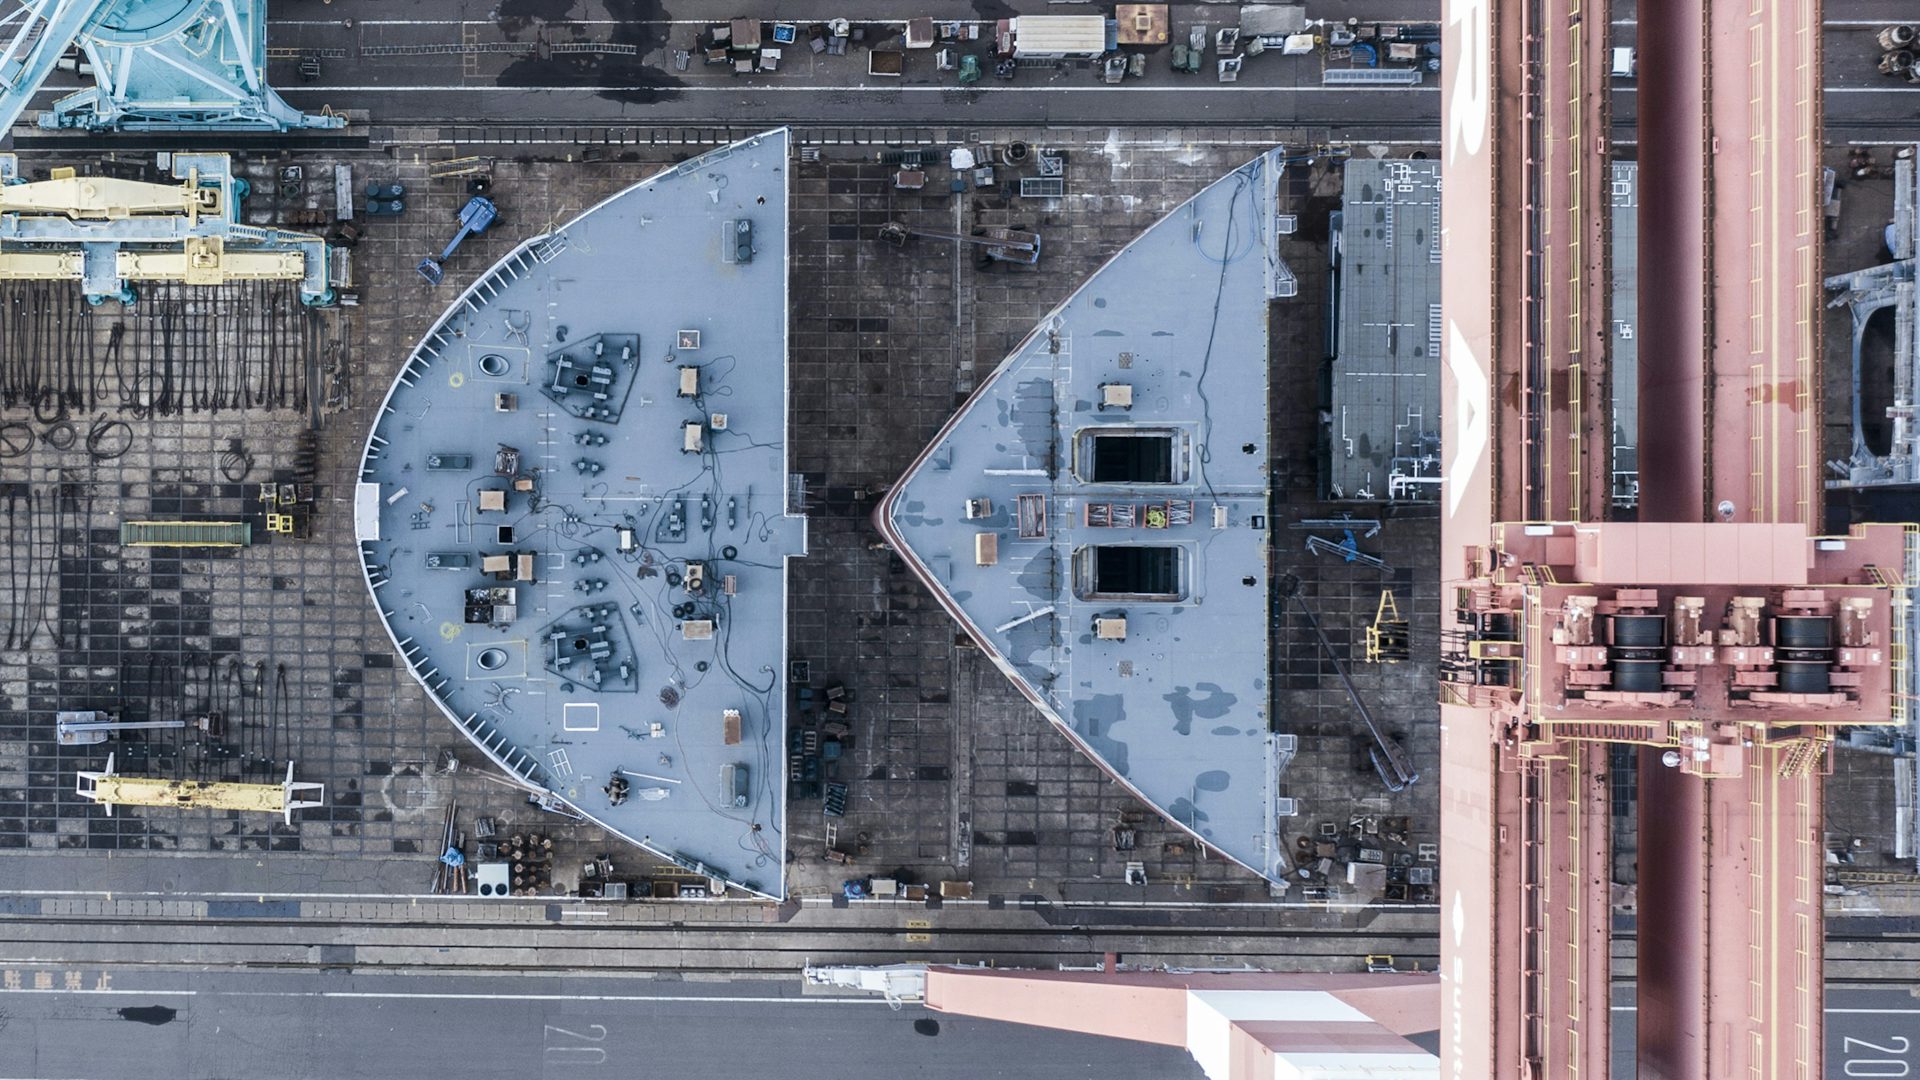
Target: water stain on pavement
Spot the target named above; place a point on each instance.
(149, 1014)
(926, 1027)
(642, 24)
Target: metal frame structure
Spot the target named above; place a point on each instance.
(1864, 293)
(109, 234)
(110, 789)
(172, 65)
(1718, 635)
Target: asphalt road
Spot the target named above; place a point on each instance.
(646, 89)
(1272, 92)
(207, 1026)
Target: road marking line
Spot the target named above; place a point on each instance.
(122, 993)
(751, 88)
(682, 999)
(1867, 1011)
(573, 22)
(1840, 23)
(818, 901)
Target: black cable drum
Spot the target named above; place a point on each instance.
(1805, 677)
(1639, 631)
(1637, 676)
(1637, 653)
(1803, 632)
(1804, 653)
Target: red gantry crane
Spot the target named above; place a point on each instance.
(1718, 635)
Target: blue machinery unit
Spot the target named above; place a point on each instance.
(174, 65)
(475, 218)
(109, 234)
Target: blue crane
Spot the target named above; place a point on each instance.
(173, 65)
(475, 217)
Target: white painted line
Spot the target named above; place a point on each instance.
(584, 22)
(681, 999)
(747, 88)
(4, 994)
(1895, 89)
(1835, 23)
(1830, 1011)
(416, 899)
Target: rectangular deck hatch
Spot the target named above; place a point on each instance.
(1128, 572)
(1128, 457)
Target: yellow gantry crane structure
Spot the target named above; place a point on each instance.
(109, 234)
(111, 789)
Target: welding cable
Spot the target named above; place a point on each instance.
(36, 312)
(206, 392)
(213, 374)
(60, 436)
(73, 351)
(47, 406)
(256, 365)
(109, 439)
(235, 462)
(232, 697)
(16, 438)
(161, 397)
(13, 571)
(27, 606)
(283, 709)
(279, 357)
(115, 361)
(50, 566)
(96, 372)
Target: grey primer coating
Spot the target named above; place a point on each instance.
(594, 591)
(1386, 371)
(1016, 522)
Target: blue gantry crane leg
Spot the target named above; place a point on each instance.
(158, 65)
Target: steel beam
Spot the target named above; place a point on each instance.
(157, 64)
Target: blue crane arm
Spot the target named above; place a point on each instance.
(38, 34)
(474, 218)
(453, 245)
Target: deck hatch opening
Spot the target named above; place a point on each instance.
(1128, 572)
(1128, 457)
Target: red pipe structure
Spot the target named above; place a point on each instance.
(1718, 635)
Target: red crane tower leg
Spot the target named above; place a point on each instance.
(1719, 633)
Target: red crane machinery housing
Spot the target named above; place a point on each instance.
(1718, 634)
